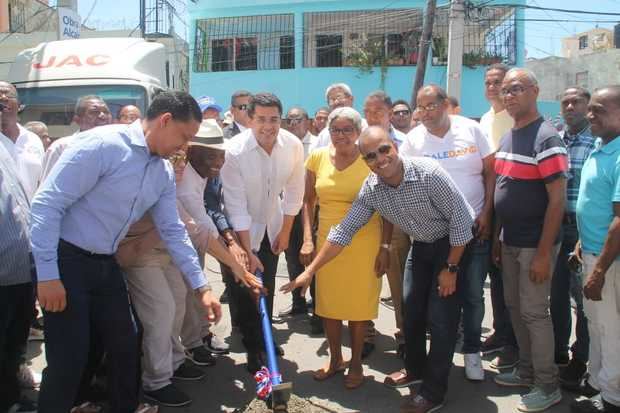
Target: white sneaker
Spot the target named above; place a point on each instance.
(473, 367)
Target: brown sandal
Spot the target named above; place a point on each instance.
(322, 374)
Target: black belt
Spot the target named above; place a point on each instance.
(569, 219)
(62, 244)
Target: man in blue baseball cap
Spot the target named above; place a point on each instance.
(209, 108)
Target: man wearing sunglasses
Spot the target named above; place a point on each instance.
(401, 116)
(239, 109)
(530, 194)
(466, 153)
(420, 197)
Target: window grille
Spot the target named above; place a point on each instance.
(366, 37)
(583, 42)
(17, 16)
(245, 43)
(489, 36)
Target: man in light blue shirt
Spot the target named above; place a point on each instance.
(598, 221)
(98, 188)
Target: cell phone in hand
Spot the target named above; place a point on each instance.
(574, 263)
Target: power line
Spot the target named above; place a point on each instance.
(524, 6)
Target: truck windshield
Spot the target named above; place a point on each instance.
(54, 105)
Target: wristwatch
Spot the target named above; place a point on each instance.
(452, 268)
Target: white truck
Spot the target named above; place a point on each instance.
(52, 76)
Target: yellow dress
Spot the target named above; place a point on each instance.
(346, 287)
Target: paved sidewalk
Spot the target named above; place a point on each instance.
(228, 386)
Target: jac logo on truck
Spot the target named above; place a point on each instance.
(73, 60)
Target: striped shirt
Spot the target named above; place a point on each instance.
(526, 160)
(14, 224)
(579, 147)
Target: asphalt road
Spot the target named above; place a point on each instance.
(229, 387)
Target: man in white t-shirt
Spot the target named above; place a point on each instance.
(466, 153)
(25, 147)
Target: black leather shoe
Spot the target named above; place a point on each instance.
(169, 395)
(293, 310)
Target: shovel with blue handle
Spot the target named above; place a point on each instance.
(269, 385)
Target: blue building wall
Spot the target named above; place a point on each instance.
(306, 86)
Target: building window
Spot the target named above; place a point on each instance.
(581, 79)
(17, 16)
(287, 52)
(489, 36)
(583, 42)
(362, 38)
(244, 43)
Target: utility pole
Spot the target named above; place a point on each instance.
(455, 48)
(425, 41)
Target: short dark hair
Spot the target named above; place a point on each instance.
(181, 105)
(453, 101)
(264, 99)
(239, 94)
(583, 92)
(303, 111)
(401, 102)
(321, 109)
(497, 66)
(379, 95)
(81, 102)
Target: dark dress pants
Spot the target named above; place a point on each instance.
(293, 264)
(97, 302)
(423, 307)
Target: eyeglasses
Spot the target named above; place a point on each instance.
(241, 107)
(291, 121)
(177, 158)
(371, 157)
(337, 98)
(515, 90)
(428, 108)
(344, 131)
(405, 112)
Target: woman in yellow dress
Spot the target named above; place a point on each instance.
(348, 287)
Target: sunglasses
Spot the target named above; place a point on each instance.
(402, 113)
(291, 121)
(241, 107)
(371, 157)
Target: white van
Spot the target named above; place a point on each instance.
(52, 76)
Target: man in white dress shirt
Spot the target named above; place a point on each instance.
(90, 111)
(25, 147)
(263, 163)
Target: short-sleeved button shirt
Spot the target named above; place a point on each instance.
(599, 189)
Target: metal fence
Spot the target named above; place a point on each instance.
(489, 36)
(244, 43)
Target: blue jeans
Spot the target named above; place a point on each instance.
(423, 306)
(473, 294)
(567, 284)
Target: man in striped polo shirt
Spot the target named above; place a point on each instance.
(531, 166)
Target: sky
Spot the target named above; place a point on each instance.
(542, 39)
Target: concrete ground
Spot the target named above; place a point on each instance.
(229, 387)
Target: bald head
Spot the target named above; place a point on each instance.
(372, 136)
(128, 114)
(604, 112)
(435, 91)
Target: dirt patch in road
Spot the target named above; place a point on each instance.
(295, 405)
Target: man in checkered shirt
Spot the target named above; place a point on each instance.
(419, 196)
